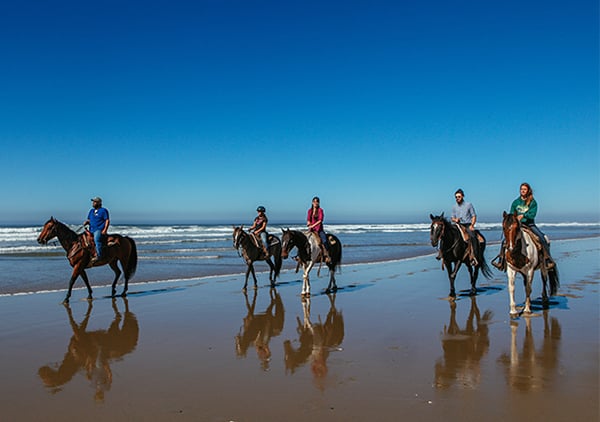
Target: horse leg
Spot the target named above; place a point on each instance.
(452, 277)
(332, 286)
(254, 276)
(117, 271)
(87, 284)
(272, 272)
(545, 301)
(528, 282)
(473, 273)
(247, 275)
(306, 279)
(511, 291)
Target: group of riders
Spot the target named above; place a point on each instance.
(525, 208)
(314, 223)
(463, 215)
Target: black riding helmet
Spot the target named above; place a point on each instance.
(261, 209)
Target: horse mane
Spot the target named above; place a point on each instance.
(65, 229)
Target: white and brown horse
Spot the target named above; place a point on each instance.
(523, 257)
(309, 253)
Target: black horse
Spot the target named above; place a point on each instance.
(454, 251)
(250, 251)
(309, 253)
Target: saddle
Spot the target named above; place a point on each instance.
(271, 240)
(465, 234)
(534, 237)
(86, 242)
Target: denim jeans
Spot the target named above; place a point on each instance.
(98, 242)
(263, 237)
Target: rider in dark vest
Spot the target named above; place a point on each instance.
(259, 228)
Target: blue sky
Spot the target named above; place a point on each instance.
(200, 111)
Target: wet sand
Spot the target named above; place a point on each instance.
(388, 346)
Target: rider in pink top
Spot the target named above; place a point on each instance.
(314, 221)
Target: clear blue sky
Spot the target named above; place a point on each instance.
(199, 111)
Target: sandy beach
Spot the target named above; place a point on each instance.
(388, 346)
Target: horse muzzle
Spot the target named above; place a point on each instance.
(42, 241)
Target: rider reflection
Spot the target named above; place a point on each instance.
(258, 329)
(316, 340)
(93, 351)
(463, 349)
(533, 369)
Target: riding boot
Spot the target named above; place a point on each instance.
(439, 255)
(266, 252)
(498, 261)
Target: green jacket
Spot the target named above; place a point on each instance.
(527, 211)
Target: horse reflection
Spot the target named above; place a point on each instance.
(316, 340)
(258, 329)
(534, 368)
(463, 349)
(93, 351)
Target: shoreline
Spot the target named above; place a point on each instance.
(133, 283)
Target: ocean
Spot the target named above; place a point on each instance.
(179, 252)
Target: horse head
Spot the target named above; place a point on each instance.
(436, 230)
(287, 243)
(48, 231)
(511, 226)
(238, 234)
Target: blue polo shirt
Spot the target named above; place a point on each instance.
(97, 218)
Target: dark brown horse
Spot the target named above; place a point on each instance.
(250, 251)
(79, 253)
(454, 251)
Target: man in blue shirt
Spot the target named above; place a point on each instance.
(99, 221)
(463, 213)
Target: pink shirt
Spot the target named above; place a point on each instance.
(312, 220)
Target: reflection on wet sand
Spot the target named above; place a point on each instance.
(93, 351)
(316, 340)
(258, 329)
(463, 349)
(531, 369)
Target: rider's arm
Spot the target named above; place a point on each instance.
(106, 224)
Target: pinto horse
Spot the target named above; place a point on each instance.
(309, 253)
(522, 257)
(250, 251)
(79, 253)
(454, 251)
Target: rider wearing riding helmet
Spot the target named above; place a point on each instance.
(259, 228)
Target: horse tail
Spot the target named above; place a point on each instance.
(554, 281)
(133, 258)
(278, 260)
(335, 253)
(485, 269)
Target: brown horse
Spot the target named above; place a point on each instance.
(79, 253)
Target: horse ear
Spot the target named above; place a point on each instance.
(504, 214)
(442, 215)
(431, 216)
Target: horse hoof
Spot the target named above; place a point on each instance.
(124, 294)
(65, 302)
